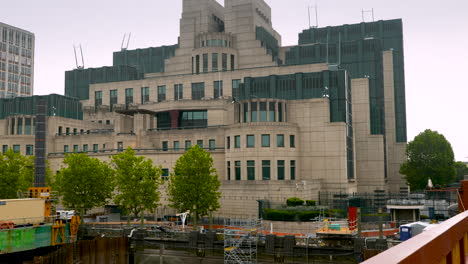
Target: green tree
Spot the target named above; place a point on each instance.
(462, 170)
(194, 184)
(84, 183)
(429, 155)
(16, 174)
(137, 182)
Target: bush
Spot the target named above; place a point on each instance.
(310, 202)
(284, 215)
(294, 201)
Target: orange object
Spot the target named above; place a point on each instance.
(42, 193)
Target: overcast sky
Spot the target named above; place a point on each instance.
(435, 38)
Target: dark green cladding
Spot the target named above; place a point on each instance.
(268, 41)
(57, 105)
(128, 65)
(361, 54)
(149, 60)
(77, 81)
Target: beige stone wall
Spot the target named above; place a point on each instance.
(369, 150)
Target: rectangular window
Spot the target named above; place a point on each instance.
(217, 89)
(238, 170)
(293, 169)
(176, 145)
(224, 61)
(129, 96)
(253, 111)
(200, 143)
(120, 146)
(212, 143)
(280, 141)
(66, 149)
(280, 112)
(280, 170)
(19, 130)
(75, 148)
(251, 170)
(228, 164)
(29, 150)
(198, 91)
(161, 93)
(246, 112)
(112, 99)
(263, 111)
(188, 144)
(12, 131)
(145, 96)
(97, 99)
(265, 170)
(95, 147)
(197, 63)
(272, 112)
(292, 141)
(237, 142)
(178, 92)
(107, 123)
(67, 131)
(85, 148)
(228, 142)
(232, 62)
(75, 130)
(214, 62)
(265, 140)
(235, 88)
(4, 148)
(27, 126)
(165, 146)
(165, 174)
(205, 62)
(250, 141)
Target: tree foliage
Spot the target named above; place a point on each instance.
(137, 182)
(194, 184)
(462, 170)
(430, 155)
(85, 182)
(16, 174)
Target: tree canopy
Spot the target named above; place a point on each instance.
(85, 182)
(137, 182)
(194, 183)
(462, 170)
(16, 174)
(429, 155)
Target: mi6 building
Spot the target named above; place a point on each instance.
(326, 115)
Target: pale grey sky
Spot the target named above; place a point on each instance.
(435, 37)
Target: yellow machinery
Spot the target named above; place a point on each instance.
(42, 193)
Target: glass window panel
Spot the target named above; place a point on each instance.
(265, 170)
(205, 62)
(280, 112)
(145, 96)
(176, 145)
(29, 150)
(224, 62)
(272, 112)
(250, 141)
(263, 111)
(280, 140)
(251, 170)
(188, 144)
(292, 141)
(235, 88)
(178, 92)
(280, 170)
(217, 89)
(212, 144)
(293, 169)
(265, 140)
(228, 170)
(165, 146)
(228, 142)
(200, 143)
(237, 142)
(238, 170)
(161, 93)
(214, 62)
(253, 111)
(246, 112)
(198, 91)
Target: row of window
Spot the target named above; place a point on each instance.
(264, 141)
(85, 148)
(22, 126)
(215, 67)
(261, 112)
(16, 37)
(215, 43)
(198, 92)
(266, 174)
(29, 149)
(188, 144)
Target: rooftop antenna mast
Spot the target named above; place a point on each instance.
(122, 48)
(128, 40)
(76, 57)
(316, 16)
(363, 12)
(123, 40)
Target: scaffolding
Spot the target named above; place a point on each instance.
(240, 240)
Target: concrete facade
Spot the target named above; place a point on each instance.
(284, 148)
(16, 61)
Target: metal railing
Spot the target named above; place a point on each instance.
(445, 243)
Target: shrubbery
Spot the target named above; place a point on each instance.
(297, 215)
(310, 202)
(294, 201)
